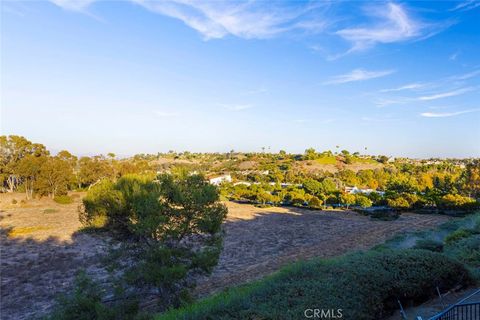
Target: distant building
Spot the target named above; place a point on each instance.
(220, 179)
(355, 190)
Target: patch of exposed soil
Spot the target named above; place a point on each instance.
(42, 250)
(261, 240)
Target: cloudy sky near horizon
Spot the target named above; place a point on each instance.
(140, 76)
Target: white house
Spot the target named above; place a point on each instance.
(355, 190)
(219, 179)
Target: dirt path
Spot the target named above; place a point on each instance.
(42, 250)
(259, 241)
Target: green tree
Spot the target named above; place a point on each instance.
(28, 170)
(313, 186)
(12, 150)
(315, 202)
(347, 199)
(310, 154)
(54, 177)
(174, 223)
(399, 203)
(363, 201)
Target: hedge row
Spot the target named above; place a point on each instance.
(363, 285)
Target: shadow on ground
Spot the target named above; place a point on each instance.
(257, 242)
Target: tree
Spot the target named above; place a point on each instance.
(54, 177)
(471, 177)
(173, 223)
(92, 170)
(310, 154)
(28, 169)
(399, 203)
(313, 187)
(12, 150)
(363, 201)
(456, 201)
(347, 199)
(295, 196)
(314, 202)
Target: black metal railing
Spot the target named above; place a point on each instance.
(465, 309)
(462, 311)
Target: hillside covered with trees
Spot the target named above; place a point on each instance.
(315, 179)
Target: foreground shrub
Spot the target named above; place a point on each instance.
(363, 285)
(85, 303)
(456, 201)
(63, 199)
(466, 250)
(170, 227)
(430, 245)
(457, 235)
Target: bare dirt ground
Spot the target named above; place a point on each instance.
(42, 251)
(261, 240)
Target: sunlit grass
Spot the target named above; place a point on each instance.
(326, 160)
(23, 231)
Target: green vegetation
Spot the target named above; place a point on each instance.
(63, 199)
(47, 211)
(326, 160)
(458, 239)
(168, 226)
(364, 285)
(169, 229)
(261, 178)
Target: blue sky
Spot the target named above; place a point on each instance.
(400, 78)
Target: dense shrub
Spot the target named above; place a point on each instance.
(456, 201)
(363, 285)
(466, 250)
(430, 245)
(63, 199)
(363, 201)
(458, 234)
(171, 226)
(85, 303)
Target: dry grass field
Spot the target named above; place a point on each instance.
(42, 249)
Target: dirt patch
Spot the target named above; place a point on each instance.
(41, 254)
(42, 250)
(259, 241)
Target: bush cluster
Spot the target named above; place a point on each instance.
(363, 285)
(63, 199)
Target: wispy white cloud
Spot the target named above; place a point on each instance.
(446, 114)
(410, 86)
(74, 5)
(453, 56)
(358, 75)
(252, 19)
(466, 76)
(395, 25)
(446, 94)
(384, 102)
(237, 107)
(466, 5)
